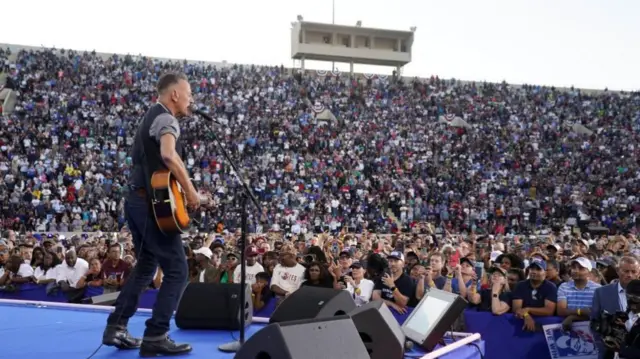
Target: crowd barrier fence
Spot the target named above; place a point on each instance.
(502, 335)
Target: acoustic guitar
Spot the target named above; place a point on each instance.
(169, 203)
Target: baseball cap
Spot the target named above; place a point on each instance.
(356, 265)
(205, 251)
(494, 255)
(468, 260)
(345, 253)
(538, 262)
(553, 247)
(583, 262)
(396, 255)
(496, 268)
(607, 262)
(251, 251)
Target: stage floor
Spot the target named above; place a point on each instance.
(30, 332)
(34, 332)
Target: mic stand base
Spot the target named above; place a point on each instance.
(232, 347)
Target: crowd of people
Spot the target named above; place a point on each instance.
(558, 275)
(382, 162)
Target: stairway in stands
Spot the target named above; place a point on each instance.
(393, 217)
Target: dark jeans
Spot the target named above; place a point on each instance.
(152, 248)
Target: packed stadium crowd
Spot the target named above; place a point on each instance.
(530, 158)
(373, 199)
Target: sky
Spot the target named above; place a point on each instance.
(592, 44)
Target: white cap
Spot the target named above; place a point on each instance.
(583, 262)
(494, 255)
(205, 251)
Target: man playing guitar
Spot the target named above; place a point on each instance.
(156, 147)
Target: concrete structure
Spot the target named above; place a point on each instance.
(350, 44)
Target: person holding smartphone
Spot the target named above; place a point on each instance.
(360, 288)
(395, 287)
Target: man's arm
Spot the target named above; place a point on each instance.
(546, 311)
(596, 306)
(516, 305)
(563, 310)
(4, 279)
(174, 162)
(275, 283)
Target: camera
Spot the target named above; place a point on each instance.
(611, 327)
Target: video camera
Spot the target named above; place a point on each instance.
(611, 327)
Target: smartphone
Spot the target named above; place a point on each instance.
(352, 250)
(334, 248)
(454, 259)
(479, 269)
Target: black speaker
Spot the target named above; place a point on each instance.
(379, 330)
(313, 302)
(213, 306)
(324, 338)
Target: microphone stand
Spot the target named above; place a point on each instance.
(245, 195)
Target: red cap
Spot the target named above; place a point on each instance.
(251, 251)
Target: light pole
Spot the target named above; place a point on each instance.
(333, 22)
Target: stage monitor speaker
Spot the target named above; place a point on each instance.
(313, 302)
(213, 306)
(433, 317)
(108, 299)
(323, 338)
(379, 330)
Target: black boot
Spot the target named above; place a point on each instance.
(118, 336)
(164, 347)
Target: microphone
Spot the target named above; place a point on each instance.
(195, 110)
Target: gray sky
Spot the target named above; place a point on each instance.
(587, 43)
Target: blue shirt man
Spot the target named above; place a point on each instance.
(535, 296)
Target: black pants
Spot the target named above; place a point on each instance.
(152, 248)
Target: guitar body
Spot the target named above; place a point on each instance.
(169, 203)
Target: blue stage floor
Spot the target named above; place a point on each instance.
(35, 332)
(30, 332)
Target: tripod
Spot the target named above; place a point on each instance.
(245, 195)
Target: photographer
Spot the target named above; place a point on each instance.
(630, 347)
(612, 298)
